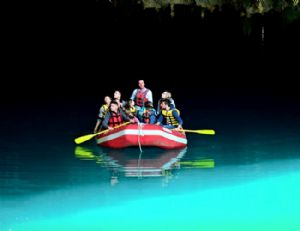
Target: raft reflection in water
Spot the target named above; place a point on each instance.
(151, 162)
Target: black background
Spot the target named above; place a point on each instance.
(65, 51)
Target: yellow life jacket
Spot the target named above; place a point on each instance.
(105, 107)
(132, 110)
(170, 119)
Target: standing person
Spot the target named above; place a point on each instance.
(102, 112)
(169, 118)
(141, 95)
(115, 116)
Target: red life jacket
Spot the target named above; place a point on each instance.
(140, 98)
(115, 119)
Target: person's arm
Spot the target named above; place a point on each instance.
(160, 119)
(124, 116)
(149, 96)
(105, 121)
(172, 103)
(97, 125)
(177, 117)
(152, 118)
(133, 94)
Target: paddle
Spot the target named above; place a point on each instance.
(204, 131)
(84, 138)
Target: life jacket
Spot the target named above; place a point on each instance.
(146, 117)
(132, 110)
(170, 119)
(105, 107)
(115, 119)
(140, 98)
(102, 113)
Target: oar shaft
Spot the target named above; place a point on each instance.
(84, 138)
(203, 131)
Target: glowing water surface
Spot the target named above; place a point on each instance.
(240, 179)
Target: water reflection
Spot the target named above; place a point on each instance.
(151, 162)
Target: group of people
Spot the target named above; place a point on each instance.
(138, 109)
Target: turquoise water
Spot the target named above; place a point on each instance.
(246, 177)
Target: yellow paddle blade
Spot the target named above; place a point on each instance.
(84, 138)
(204, 131)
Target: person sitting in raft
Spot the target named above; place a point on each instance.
(149, 115)
(102, 112)
(170, 116)
(130, 110)
(165, 95)
(115, 116)
(117, 98)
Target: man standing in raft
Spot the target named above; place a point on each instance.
(141, 95)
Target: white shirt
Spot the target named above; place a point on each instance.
(148, 95)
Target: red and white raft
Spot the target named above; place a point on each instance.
(142, 135)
